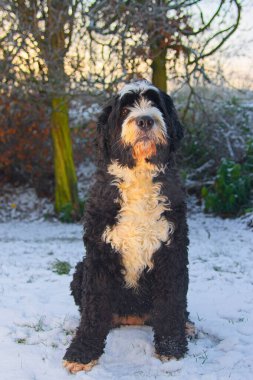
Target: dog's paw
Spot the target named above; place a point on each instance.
(165, 358)
(171, 346)
(74, 367)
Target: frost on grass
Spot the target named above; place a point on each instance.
(50, 332)
(38, 317)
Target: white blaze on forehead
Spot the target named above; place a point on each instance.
(144, 107)
(140, 86)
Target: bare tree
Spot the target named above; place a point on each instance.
(37, 36)
(174, 36)
(51, 49)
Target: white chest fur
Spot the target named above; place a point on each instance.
(140, 229)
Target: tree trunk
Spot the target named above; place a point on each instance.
(53, 49)
(66, 194)
(158, 65)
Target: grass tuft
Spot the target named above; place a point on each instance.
(61, 267)
(20, 340)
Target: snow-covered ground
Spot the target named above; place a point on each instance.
(38, 315)
(22, 202)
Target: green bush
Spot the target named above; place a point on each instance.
(248, 164)
(231, 190)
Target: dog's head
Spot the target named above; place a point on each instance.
(140, 123)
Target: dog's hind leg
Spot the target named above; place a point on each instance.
(96, 319)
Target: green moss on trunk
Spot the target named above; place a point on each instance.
(65, 176)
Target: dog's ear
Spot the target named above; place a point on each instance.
(176, 131)
(103, 134)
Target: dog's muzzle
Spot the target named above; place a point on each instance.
(143, 130)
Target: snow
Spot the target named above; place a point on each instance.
(22, 202)
(38, 315)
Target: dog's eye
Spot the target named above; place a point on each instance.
(124, 111)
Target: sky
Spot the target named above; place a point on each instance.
(237, 54)
(244, 63)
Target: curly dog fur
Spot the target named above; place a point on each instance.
(135, 230)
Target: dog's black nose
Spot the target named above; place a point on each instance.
(145, 122)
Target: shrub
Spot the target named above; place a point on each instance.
(26, 151)
(248, 164)
(217, 125)
(25, 144)
(231, 190)
(83, 139)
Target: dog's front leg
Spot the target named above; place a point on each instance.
(169, 304)
(89, 341)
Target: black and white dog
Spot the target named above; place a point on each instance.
(135, 269)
